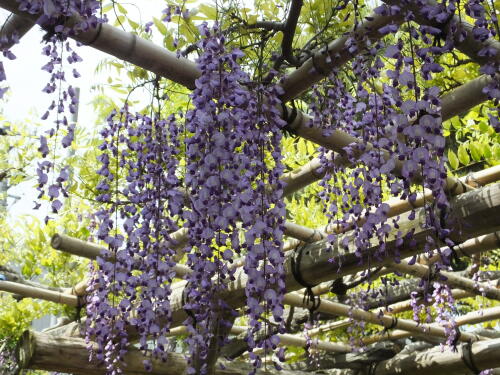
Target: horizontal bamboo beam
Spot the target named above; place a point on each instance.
(398, 206)
(39, 351)
(488, 242)
(334, 55)
(16, 277)
(14, 28)
(471, 247)
(285, 340)
(145, 54)
(475, 317)
(456, 26)
(447, 278)
(128, 47)
(44, 294)
(387, 321)
(477, 210)
(484, 354)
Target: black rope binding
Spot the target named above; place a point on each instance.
(394, 324)
(79, 305)
(310, 299)
(289, 117)
(467, 358)
(458, 334)
(372, 368)
(97, 35)
(317, 68)
(339, 287)
(184, 302)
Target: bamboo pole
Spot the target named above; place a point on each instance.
(471, 246)
(14, 28)
(474, 317)
(387, 321)
(468, 248)
(461, 31)
(474, 246)
(316, 267)
(334, 55)
(128, 47)
(447, 278)
(285, 339)
(145, 54)
(45, 294)
(39, 351)
(398, 206)
(76, 246)
(339, 140)
(484, 354)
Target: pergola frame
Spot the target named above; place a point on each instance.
(479, 233)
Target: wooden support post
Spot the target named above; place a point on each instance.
(447, 278)
(45, 294)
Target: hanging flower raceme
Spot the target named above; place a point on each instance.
(132, 283)
(232, 154)
(401, 147)
(60, 19)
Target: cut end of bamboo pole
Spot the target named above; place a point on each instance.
(56, 241)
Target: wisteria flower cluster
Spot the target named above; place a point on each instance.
(60, 19)
(233, 207)
(398, 123)
(132, 284)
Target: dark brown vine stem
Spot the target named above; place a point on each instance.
(257, 26)
(288, 34)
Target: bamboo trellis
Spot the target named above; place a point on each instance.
(42, 351)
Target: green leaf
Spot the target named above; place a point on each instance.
(484, 127)
(121, 9)
(107, 8)
(475, 151)
(486, 149)
(160, 26)
(252, 20)
(207, 10)
(463, 155)
(133, 24)
(452, 159)
(455, 122)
